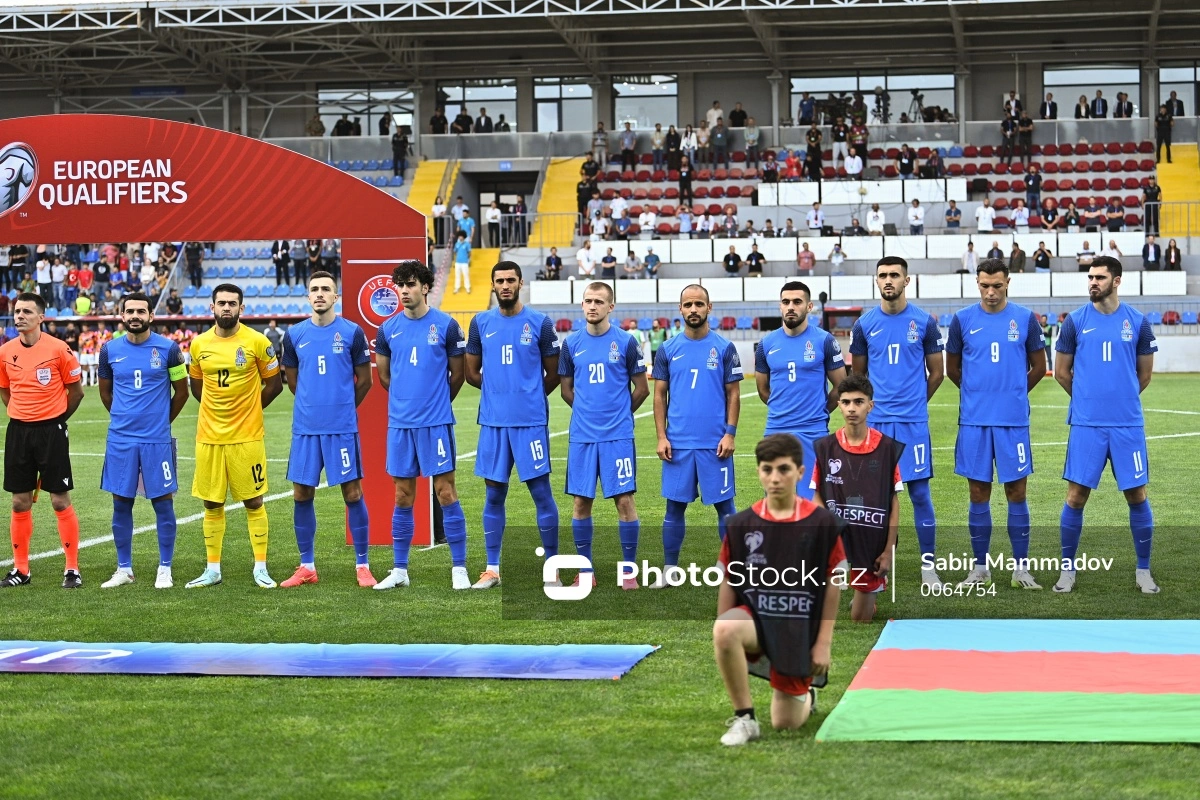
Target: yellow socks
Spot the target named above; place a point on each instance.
(214, 533)
(256, 521)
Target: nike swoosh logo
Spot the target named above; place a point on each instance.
(622, 483)
(876, 333)
(346, 471)
(919, 469)
(204, 356)
(1143, 541)
(676, 358)
(304, 344)
(257, 486)
(119, 360)
(1023, 468)
(1088, 330)
(726, 490)
(976, 330)
(773, 352)
(490, 335)
(1139, 474)
(443, 463)
(581, 352)
(539, 466)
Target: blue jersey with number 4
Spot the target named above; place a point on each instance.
(895, 346)
(513, 394)
(141, 406)
(601, 368)
(325, 357)
(1105, 391)
(420, 351)
(696, 371)
(995, 352)
(798, 366)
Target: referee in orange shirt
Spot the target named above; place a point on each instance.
(40, 385)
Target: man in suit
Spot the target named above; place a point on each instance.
(1013, 104)
(1099, 106)
(1123, 108)
(483, 123)
(1174, 106)
(520, 223)
(281, 256)
(1151, 255)
(1049, 109)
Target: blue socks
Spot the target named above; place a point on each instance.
(403, 528)
(581, 531)
(725, 509)
(122, 528)
(979, 525)
(629, 533)
(923, 516)
(304, 520)
(164, 516)
(455, 524)
(1070, 529)
(547, 513)
(493, 521)
(1018, 529)
(673, 530)
(1141, 523)
(360, 529)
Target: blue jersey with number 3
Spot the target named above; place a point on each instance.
(1105, 391)
(895, 346)
(513, 394)
(601, 368)
(798, 366)
(325, 357)
(141, 407)
(420, 351)
(995, 352)
(697, 370)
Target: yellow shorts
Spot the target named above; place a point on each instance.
(239, 469)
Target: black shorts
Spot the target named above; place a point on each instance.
(37, 449)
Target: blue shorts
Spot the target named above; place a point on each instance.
(419, 452)
(916, 463)
(338, 453)
(978, 446)
(500, 448)
(614, 464)
(1088, 448)
(133, 468)
(688, 469)
(808, 439)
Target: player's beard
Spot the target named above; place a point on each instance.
(508, 304)
(1101, 296)
(137, 325)
(695, 325)
(228, 323)
(793, 322)
(890, 294)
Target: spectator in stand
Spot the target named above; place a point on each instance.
(1041, 258)
(462, 122)
(1163, 122)
(934, 165)
(1151, 255)
(583, 193)
(274, 336)
(150, 253)
(483, 123)
(685, 222)
(1114, 215)
(438, 122)
(686, 197)
(676, 329)
(1123, 108)
(440, 222)
(854, 166)
(970, 260)
(814, 139)
(789, 229)
(1073, 220)
(1049, 108)
(618, 205)
(502, 125)
(836, 258)
(995, 252)
(953, 217)
(1173, 258)
(44, 274)
(586, 260)
(793, 165)
(769, 231)
(748, 232)
(875, 220)
(719, 138)
(622, 226)
(806, 260)
(1025, 139)
(492, 217)
(812, 165)
(658, 143)
(462, 261)
(906, 163)
(733, 262)
(840, 134)
(633, 266)
(1033, 186)
(467, 225)
(807, 110)
(70, 286)
(601, 227)
(647, 222)
(704, 226)
(652, 261)
(755, 262)
(916, 218)
(985, 217)
(595, 206)
(751, 134)
(148, 275)
(729, 225)
(608, 265)
(702, 152)
(1094, 217)
(1112, 251)
(738, 117)
(600, 144)
(554, 265)
(310, 262)
(1082, 109)
(108, 306)
(628, 142)
(674, 144)
(815, 220)
(1151, 200)
(1085, 257)
(689, 143)
(1016, 259)
(1020, 217)
(858, 138)
(590, 168)
(1050, 218)
(119, 282)
(1008, 139)
(1174, 106)
(83, 305)
(399, 152)
(713, 114)
(1099, 106)
(1013, 103)
(855, 228)
(658, 335)
(103, 269)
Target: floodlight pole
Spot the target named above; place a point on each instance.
(774, 78)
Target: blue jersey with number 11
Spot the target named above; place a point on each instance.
(1105, 391)
(325, 357)
(895, 346)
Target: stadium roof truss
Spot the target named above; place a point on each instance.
(96, 46)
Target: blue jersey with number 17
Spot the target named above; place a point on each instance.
(1105, 391)
(995, 352)
(325, 357)
(697, 371)
(513, 393)
(419, 352)
(141, 376)
(895, 346)
(601, 368)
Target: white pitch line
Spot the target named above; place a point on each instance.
(1064, 408)
(95, 540)
(178, 457)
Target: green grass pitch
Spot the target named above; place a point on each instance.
(652, 734)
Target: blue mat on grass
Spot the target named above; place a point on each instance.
(540, 662)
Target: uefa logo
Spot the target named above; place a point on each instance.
(377, 300)
(18, 173)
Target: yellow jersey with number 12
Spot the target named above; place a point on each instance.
(233, 369)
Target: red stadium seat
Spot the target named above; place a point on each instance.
(562, 325)
(716, 192)
(697, 209)
(1146, 165)
(635, 210)
(923, 153)
(656, 193)
(673, 175)
(1051, 168)
(1003, 222)
(675, 228)
(1050, 185)
(1146, 147)
(1082, 166)
(828, 174)
(1098, 184)
(701, 192)
(1113, 165)
(1132, 220)
(642, 176)
(720, 174)
(1001, 168)
(1115, 184)
(1000, 204)
(1129, 165)
(646, 158)
(640, 194)
(890, 171)
(1129, 148)
(1018, 185)
(671, 194)
(626, 192)
(750, 173)
(1132, 201)
(1049, 149)
(649, 207)
(875, 153)
(1066, 185)
(747, 191)
(1132, 183)
(1066, 166)
(735, 173)
(658, 176)
(970, 151)
(893, 153)
(714, 208)
(612, 176)
(668, 210)
(664, 228)
(1036, 150)
(970, 170)
(985, 168)
(608, 194)
(955, 170)
(628, 176)
(1035, 220)
(703, 175)
(1113, 148)
(663, 322)
(1000, 186)
(1098, 166)
(635, 229)
(1081, 149)
(1096, 149)
(827, 155)
(987, 151)
(728, 323)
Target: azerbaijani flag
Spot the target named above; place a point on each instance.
(1026, 680)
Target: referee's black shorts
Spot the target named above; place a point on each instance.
(37, 449)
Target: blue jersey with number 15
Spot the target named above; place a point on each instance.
(513, 393)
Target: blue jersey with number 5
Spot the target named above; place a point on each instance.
(325, 357)
(895, 346)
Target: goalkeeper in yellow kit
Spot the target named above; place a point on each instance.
(235, 375)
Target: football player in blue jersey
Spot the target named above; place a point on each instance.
(900, 346)
(597, 368)
(1105, 359)
(696, 409)
(327, 365)
(512, 358)
(143, 384)
(995, 355)
(419, 353)
(797, 369)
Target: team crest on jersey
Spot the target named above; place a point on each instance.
(155, 359)
(713, 361)
(1126, 332)
(1013, 334)
(240, 358)
(614, 355)
(433, 334)
(43, 376)
(809, 353)
(912, 331)
(754, 540)
(338, 344)
(526, 334)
